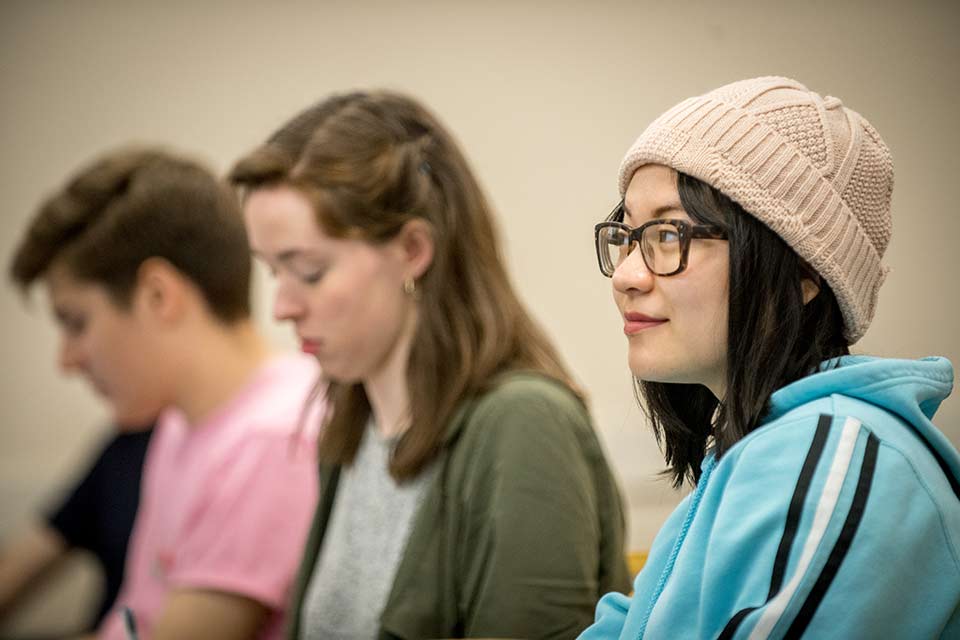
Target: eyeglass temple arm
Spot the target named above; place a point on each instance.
(704, 231)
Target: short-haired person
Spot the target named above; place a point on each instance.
(746, 259)
(464, 492)
(145, 259)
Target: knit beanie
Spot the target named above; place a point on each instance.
(812, 170)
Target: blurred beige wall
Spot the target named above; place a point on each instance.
(544, 96)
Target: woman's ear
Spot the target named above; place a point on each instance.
(809, 288)
(416, 242)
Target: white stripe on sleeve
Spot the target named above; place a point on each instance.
(825, 507)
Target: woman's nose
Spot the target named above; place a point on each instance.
(286, 304)
(632, 273)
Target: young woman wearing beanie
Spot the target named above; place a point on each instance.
(464, 492)
(825, 501)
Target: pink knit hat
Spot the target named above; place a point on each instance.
(812, 170)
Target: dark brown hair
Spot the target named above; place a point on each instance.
(370, 162)
(773, 338)
(135, 204)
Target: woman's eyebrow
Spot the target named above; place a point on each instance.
(668, 208)
(658, 212)
(286, 256)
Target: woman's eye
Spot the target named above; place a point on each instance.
(620, 239)
(668, 235)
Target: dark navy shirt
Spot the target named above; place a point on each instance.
(99, 512)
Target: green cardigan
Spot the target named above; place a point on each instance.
(519, 535)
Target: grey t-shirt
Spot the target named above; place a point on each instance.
(368, 531)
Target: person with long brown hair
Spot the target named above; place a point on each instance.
(464, 490)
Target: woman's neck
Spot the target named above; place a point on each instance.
(387, 388)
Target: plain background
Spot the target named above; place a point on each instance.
(545, 97)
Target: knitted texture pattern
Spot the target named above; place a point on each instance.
(812, 170)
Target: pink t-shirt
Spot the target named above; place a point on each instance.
(225, 504)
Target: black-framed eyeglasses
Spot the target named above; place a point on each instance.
(664, 243)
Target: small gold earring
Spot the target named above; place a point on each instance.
(409, 286)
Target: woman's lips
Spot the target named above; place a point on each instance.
(634, 323)
(309, 346)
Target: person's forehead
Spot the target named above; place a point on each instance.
(652, 192)
(280, 210)
(63, 287)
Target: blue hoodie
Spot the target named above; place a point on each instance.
(839, 517)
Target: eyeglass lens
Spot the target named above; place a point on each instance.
(659, 245)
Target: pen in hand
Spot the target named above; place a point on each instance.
(130, 623)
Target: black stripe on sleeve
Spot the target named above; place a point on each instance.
(814, 454)
(842, 546)
(796, 504)
(734, 623)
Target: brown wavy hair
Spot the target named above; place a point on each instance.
(369, 162)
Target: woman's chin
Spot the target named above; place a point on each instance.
(340, 374)
(645, 372)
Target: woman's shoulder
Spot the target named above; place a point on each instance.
(524, 425)
(521, 385)
(909, 432)
(524, 394)
(847, 437)
(520, 406)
